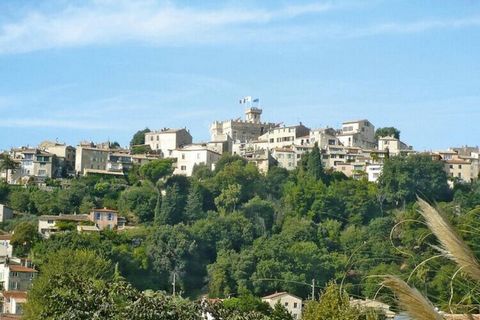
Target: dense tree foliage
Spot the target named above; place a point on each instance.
(405, 177)
(139, 137)
(387, 132)
(234, 232)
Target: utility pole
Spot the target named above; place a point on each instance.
(173, 283)
(313, 289)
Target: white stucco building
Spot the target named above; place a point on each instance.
(358, 133)
(194, 154)
(165, 141)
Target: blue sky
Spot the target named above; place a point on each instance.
(102, 69)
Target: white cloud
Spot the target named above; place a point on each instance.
(53, 123)
(413, 27)
(102, 22)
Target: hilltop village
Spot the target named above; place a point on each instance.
(271, 213)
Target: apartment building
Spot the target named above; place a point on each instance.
(192, 155)
(166, 141)
(65, 157)
(324, 137)
(241, 131)
(359, 133)
(284, 136)
(89, 156)
(459, 169)
(33, 164)
(16, 277)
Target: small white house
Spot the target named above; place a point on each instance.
(5, 213)
(292, 303)
(374, 171)
(194, 154)
(6, 249)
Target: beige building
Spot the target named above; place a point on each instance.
(261, 158)
(324, 137)
(241, 130)
(280, 137)
(292, 303)
(359, 133)
(49, 224)
(166, 141)
(97, 219)
(393, 145)
(65, 157)
(13, 302)
(194, 154)
(88, 156)
(354, 170)
(459, 169)
(32, 164)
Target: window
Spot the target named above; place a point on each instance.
(98, 216)
(183, 168)
(14, 274)
(286, 304)
(50, 221)
(459, 166)
(110, 217)
(295, 305)
(183, 156)
(158, 138)
(151, 138)
(272, 140)
(451, 166)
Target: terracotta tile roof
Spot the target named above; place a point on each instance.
(5, 236)
(15, 294)
(104, 210)
(279, 294)
(19, 268)
(65, 217)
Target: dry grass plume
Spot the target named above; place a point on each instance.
(451, 243)
(410, 300)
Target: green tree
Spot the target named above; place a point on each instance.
(139, 137)
(314, 164)
(387, 131)
(194, 206)
(171, 210)
(24, 237)
(229, 198)
(403, 178)
(280, 313)
(334, 304)
(56, 278)
(139, 201)
(156, 169)
(7, 164)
